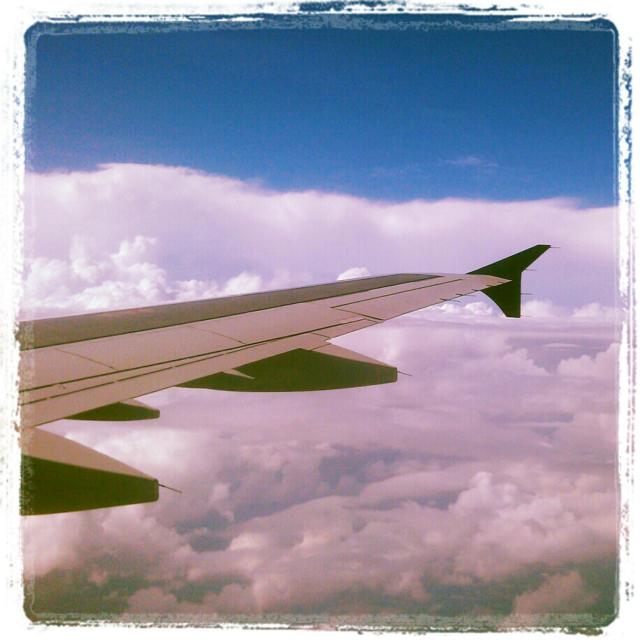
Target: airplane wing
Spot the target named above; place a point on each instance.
(93, 366)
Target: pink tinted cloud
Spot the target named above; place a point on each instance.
(212, 227)
(448, 480)
(491, 470)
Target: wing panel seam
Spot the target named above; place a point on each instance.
(409, 279)
(398, 293)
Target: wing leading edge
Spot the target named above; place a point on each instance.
(93, 366)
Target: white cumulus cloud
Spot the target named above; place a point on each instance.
(354, 272)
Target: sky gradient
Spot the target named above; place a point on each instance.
(172, 166)
(384, 113)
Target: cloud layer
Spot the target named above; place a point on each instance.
(215, 227)
(482, 483)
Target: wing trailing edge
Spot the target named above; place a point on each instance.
(328, 367)
(508, 295)
(127, 410)
(60, 475)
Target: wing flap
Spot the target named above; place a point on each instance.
(340, 352)
(59, 401)
(102, 356)
(324, 368)
(119, 412)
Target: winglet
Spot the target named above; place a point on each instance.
(507, 295)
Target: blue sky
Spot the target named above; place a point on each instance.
(391, 114)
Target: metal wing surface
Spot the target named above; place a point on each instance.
(93, 366)
(80, 363)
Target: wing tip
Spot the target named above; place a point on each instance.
(513, 265)
(507, 295)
